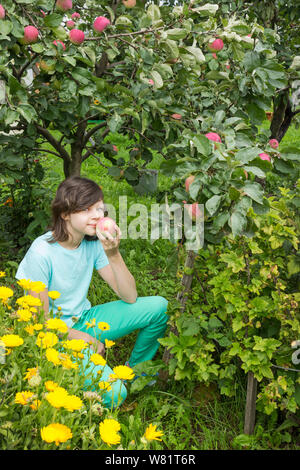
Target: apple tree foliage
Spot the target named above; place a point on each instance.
(150, 74)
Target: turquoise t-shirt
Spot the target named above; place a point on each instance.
(66, 271)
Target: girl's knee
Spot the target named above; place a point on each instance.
(160, 303)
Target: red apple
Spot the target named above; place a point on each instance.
(176, 116)
(76, 36)
(105, 226)
(64, 5)
(30, 35)
(216, 45)
(194, 211)
(70, 24)
(273, 143)
(129, 3)
(264, 156)
(2, 12)
(188, 182)
(100, 23)
(56, 41)
(213, 136)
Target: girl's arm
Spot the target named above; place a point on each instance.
(72, 333)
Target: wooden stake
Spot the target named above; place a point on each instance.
(250, 404)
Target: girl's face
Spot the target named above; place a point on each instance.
(84, 222)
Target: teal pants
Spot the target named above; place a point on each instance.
(147, 314)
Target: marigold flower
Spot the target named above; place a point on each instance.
(50, 385)
(73, 403)
(23, 398)
(35, 404)
(97, 359)
(56, 432)
(105, 386)
(53, 294)
(91, 324)
(38, 326)
(46, 340)
(123, 373)
(29, 301)
(24, 314)
(12, 341)
(29, 329)
(75, 344)
(31, 371)
(151, 433)
(109, 431)
(58, 397)
(109, 343)
(5, 293)
(52, 355)
(66, 362)
(37, 286)
(24, 283)
(102, 325)
(57, 324)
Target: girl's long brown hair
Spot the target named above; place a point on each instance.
(74, 194)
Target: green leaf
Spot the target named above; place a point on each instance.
(176, 33)
(158, 81)
(171, 48)
(27, 111)
(202, 144)
(6, 27)
(197, 53)
(254, 190)
(247, 155)
(53, 20)
(238, 222)
(213, 203)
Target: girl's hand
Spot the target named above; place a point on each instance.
(110, 243)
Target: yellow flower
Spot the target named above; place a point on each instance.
(123, 373)
(109, 431)
(57, 324)
(53, 294)
(50, 385)
(46, 340)
(97, 359)
(56, 432)
(105, 386)
(29, 301)
(102, 325)
(92, 324)
(73, 403)
(151, 433)
(53, 356)
(75, 344)
(37, 286)
(31, 371)
(24, 314)
(109, 343)
(35, 404)
(66, 362)
(58, 397)
(38, 326)
(2, 274)
(22, 398)
(5, 293)
(12, 341)
(29, 329)
(24, 283)
(96, 102)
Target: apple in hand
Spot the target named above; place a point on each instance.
(105, 226)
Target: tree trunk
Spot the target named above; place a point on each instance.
(72, 167)
(282, 116)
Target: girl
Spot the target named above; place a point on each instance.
(64, 259)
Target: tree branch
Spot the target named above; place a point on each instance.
(49, 137)
(92, 131)
(47, 151)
